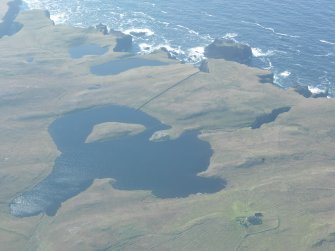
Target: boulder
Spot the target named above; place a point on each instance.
(303, 90)
(102, 28)
(204, 66)
(138, 33)
(266, 78)
(230, 50)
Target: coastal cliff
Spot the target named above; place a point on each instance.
(273, 147)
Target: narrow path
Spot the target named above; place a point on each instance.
(14, 232)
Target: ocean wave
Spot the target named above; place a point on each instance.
(324, 55)
(34, 4)
(277, 80)
(139, 31)
(326, 42)
(257, 52)
(188, 29)
(270, 67)
(230, 35)
(286, 35)
(146, 48)
(271, 29)
(315, 90)
(285, 74)
(207, 14)
(164, 23)
(140, 14)
(59, 18)
(195, 54)
(281, 78)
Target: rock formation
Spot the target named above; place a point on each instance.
(266, 78)
(204, 66)
(229, 49)
(304, 91)
(102, 28)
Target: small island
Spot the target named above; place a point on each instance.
(113, 130)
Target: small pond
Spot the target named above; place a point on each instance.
(120, 65)
(86, 49)
(8, 26)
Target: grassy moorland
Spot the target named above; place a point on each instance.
(3, 8)
(283, 169)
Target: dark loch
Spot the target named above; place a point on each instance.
(168, 168)
(120, 65)
(8, 26)
(87, 49)
(268, 118)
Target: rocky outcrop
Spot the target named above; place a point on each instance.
(102, 28)
(304, 91)
(266, 78)
(204, 66)
(124, 42)
(138, 33)
(229, 49)
(168, 53)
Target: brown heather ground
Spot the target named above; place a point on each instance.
(3, 8)
(284, 169)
